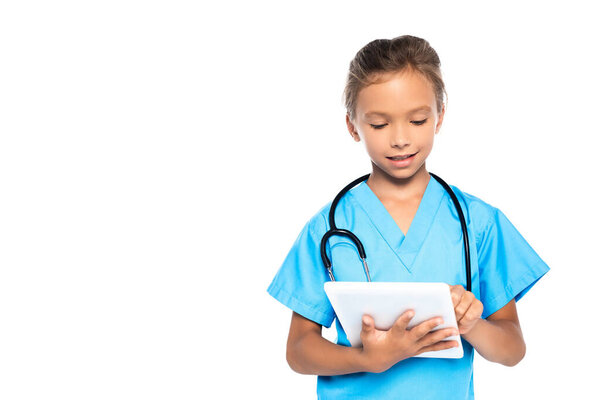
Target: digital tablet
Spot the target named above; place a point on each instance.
(386, 301)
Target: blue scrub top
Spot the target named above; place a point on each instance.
(503, 267)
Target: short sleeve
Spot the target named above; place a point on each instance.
(299, 282)
(508, 266)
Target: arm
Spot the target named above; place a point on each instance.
(499, 338)
(309, 353)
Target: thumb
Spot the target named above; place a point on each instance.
(367, 323)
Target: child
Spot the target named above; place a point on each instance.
(411, 232)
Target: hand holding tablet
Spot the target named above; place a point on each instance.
(384, 348)
(388, 330)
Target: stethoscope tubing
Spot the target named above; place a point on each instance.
(335, 231)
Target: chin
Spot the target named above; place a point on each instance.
(401, 174)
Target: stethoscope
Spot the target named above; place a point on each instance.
(361, 250)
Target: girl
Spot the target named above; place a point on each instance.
(411, 230)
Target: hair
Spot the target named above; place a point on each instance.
(382, 56)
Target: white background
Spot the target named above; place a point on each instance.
(159, 158)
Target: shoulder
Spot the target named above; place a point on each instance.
(344, 212)
(318, 223)
(480, 212)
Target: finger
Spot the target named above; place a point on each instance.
(466, 314)
(368, 324)
(463, 305)
(472, 314)
(436, 336)
(476, 309)
(424, 327)
(368, 327)
(402, 322)
(443, 345)
(456, 293)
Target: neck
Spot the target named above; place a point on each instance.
(400, 189)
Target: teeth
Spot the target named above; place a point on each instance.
(400, 158)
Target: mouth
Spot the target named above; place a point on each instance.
(401, 157)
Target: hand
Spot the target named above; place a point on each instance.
(384, 348)
(467, 308)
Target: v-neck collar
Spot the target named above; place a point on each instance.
(406, 247)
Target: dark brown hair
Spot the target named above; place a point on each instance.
(393, 55)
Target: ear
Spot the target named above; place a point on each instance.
(440, 119)
(352, 129)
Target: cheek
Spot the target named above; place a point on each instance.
(426, 141)
(373, 146)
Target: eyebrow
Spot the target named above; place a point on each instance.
(420, 108)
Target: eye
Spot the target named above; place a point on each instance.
(378, 126)
(419, 122)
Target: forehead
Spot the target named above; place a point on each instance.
(399, 92)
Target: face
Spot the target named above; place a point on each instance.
(397, 116)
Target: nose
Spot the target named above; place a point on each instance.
(399, 137)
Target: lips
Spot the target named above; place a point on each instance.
(401, 157)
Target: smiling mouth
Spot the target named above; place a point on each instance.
(398, 158)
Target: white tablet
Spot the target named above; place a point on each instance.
(386, 301)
